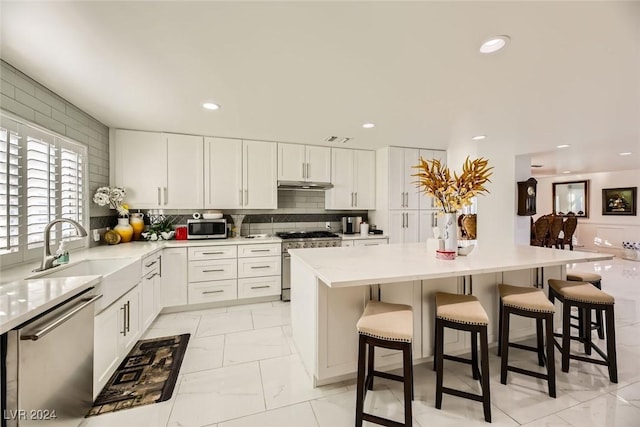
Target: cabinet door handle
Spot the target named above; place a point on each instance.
(402, 200)
(212, 271)
(371, 244)
(166, 195)
(303, 171)
(124, 320)
(240, 197)
(260, 250)
(246, 197)
(159, 202)
(308, 168)
(351, 199)
(153, 275)
(128, 316)
(150, 264)
(260, 287)
(213, 253)
(260, 266)
(219, 291)
(356, 203)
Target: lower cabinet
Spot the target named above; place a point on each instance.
(174, 277)
(151, 289)
(116, 329)
(212, 291)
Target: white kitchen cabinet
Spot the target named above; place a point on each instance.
(174, 277)
(150, 302)
(116, 329)
(353, 178)
(304, 163)
(404, 226)
(424, 201)
(240, 174)
(403, 193)
(427, 222)
(159, 170)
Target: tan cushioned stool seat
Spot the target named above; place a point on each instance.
(581, 292)
(460, 308)
(579, 276)
(393, 322)
(525, 298)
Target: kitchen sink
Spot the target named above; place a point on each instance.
(118, 276)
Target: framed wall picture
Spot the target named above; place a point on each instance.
(619, 201)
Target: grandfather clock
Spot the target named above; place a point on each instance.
(527, 197)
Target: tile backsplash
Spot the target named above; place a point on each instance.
(297, 210)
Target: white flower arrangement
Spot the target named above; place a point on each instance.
(112, 196)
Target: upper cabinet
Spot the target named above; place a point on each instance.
(354, 180)
(428, 202)
(159, 170)
(403, 193)
(240, 174)
(304, 163)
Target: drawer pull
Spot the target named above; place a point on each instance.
(213, 253)
(260, 266)
(153, 275)
(260, 250)
(260, 287)
(213, 292)
(212, 271)
(371, 244)
(150, 264)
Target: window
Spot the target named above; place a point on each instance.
(42, 177)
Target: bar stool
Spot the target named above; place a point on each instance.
(388, 326)
(532, 303)
(595, 280)
(464, 313)
(585, 297)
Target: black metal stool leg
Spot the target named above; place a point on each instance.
(370, 366)
(486, 394)
(587, 331)
(500, 327)
(611, 344)
(540, 341)
(504, 339)
(566, 335)
(475, 372)
(439, 362)
(362, 349)
(551, 366)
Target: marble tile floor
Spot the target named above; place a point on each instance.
(241, 370)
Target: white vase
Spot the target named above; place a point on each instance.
(448, 226)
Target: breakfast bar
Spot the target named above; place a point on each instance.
(331, 286)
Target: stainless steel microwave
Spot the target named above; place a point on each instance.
(207, 228)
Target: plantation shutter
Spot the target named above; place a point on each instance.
(71, 188)
(9, 190)
(41, 186)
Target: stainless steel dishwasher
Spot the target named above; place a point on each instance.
(49, 366)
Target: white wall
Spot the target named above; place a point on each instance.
(611, 230)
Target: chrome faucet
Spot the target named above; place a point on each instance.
(47, 258)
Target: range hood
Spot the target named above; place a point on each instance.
(304, 185)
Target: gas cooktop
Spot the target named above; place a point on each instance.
(307, 235)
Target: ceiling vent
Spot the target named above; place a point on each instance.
(338, 139)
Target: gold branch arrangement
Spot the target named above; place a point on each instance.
(453, 192)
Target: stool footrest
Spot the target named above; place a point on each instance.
(381, 421)
(388, 376)
(528, 372)
(464, 394)
(457, 359)
(589, 359)
(523, 347)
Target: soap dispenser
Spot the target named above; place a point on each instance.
(62, 254)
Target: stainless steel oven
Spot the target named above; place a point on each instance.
(207, 228)
(302, 239)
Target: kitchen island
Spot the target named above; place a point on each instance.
(331, 286)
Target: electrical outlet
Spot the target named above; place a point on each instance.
(96, 235)
(327, 225)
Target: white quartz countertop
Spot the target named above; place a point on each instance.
(365, 265)
(23, 300)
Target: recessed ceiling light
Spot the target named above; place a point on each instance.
(368, 125)
(563, 146)
(625, 153)
(566, 172)
(494, 44)
(479, 137)
(210, 106)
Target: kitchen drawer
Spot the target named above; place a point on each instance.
(150, 263)
(259, 286)
(213, 252)
(216, 290)
(371, 242)
(254, 267)
(270, 249)
(200, 271)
